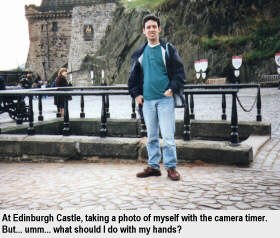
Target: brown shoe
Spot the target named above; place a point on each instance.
(173, 174)
(149, 171)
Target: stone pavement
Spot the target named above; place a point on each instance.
(107, 186)
(113, 184)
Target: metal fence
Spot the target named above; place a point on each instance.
(106, 91)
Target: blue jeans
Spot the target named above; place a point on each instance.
(160, 113)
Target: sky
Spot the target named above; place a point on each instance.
(14, 38)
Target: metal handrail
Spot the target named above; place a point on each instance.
(105, 91)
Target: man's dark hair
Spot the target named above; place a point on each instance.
(150, 17)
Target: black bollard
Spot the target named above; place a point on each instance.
(187, 123)
(82, 114)
(103, 129)
(133, 105)
(40, 117)
(58, 113)
(192, 116)
(66, 127)
(224, 105)
(107, 106)
(234, 122)
(259, 105)
(143, 130)
(20, 110)
(30, 129)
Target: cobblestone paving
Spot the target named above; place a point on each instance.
(113, 185)
(109, 186)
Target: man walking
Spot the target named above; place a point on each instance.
(157, 72)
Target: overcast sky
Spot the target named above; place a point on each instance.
(14, 39)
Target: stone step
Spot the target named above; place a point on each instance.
(54, 147)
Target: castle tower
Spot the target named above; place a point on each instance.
(50, 33)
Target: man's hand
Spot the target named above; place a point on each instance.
(139, 99)
(168, 93)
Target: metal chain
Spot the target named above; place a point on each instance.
(244, 109)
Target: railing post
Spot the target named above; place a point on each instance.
(40, 117)
(58, 113)
(103, 129)
(82, 114)
(66, 127)
(234, 122)
(259, 105)
(20, 110)
(224, 105)
(192, 116)
(143, 130)
(133, 114)
(31, 130)
(107, 106)
(187, 123)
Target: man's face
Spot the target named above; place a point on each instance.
(151, 30)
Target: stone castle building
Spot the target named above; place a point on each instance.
(63, 32)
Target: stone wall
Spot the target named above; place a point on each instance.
(49, 42)
(57, 39)
(88, 28)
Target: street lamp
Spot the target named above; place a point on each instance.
(277, 60)
(236, 62)
(45, 75)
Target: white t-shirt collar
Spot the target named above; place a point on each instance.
(152, 46)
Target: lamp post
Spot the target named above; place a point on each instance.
(277, 60)
(44, 68)
(236, 62)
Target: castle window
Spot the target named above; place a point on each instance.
(42, 27)
(88, 32)
(54, 27)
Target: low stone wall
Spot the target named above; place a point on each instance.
(52, 148)
(124, 143)
(206, 130)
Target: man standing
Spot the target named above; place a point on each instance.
(157, 72)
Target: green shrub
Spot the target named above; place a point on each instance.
(146, 4)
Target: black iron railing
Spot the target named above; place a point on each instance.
(234, 117)
(106, 91)
(226, 86)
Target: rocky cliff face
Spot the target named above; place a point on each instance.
(212, 29)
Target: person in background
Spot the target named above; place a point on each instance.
(27, 81)
(61, 81)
